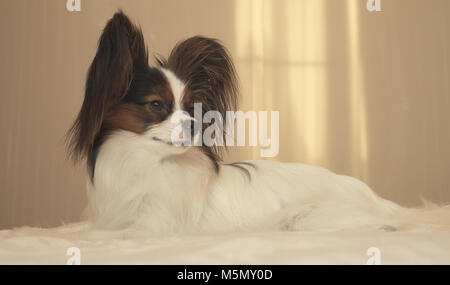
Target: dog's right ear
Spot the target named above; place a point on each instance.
(121, 51)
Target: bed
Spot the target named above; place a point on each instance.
(356, 246)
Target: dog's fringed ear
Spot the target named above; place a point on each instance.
(206, 66)
(121, 51)
(208, 70)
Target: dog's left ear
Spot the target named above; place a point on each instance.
(206, 67)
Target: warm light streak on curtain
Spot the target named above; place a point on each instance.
(358, 117)
(286, 69)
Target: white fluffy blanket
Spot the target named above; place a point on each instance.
(49, 246)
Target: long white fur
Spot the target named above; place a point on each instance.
(147, 185)
(176, 85)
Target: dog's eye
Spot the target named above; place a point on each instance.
(155, 105)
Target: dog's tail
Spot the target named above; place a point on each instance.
(429, 215)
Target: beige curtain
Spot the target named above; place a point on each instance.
(362, 93)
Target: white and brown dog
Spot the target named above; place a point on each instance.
(139, 179)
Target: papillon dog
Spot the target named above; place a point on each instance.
(139, 179)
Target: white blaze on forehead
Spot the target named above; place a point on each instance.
(176, 85)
